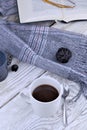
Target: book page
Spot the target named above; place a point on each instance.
(38, 10)
(79, 12)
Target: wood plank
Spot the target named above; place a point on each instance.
(16, 81)
(18, 115)
(76, 26)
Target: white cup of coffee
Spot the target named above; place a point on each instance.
(45, 96)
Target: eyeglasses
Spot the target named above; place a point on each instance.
(60, 5)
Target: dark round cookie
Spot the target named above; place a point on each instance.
(14, 67)
(63, 55)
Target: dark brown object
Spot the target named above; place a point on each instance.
(63, 55)
(45, 93)
(14, 67)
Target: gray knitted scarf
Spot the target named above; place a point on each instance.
(38, 45)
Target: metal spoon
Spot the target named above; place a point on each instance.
(65, 94)
(75, 98)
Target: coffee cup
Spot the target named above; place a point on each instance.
(45, 96)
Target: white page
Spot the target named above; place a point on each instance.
(37, 10)
(77, 13)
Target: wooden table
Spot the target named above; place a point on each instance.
(16, 114)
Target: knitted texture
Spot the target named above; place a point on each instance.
(37, 45)
(8, 7)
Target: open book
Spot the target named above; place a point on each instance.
(38, 10)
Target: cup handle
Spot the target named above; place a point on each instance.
(25, 97)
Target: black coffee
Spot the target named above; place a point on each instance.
(45, 93)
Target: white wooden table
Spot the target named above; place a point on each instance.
(16, 114)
